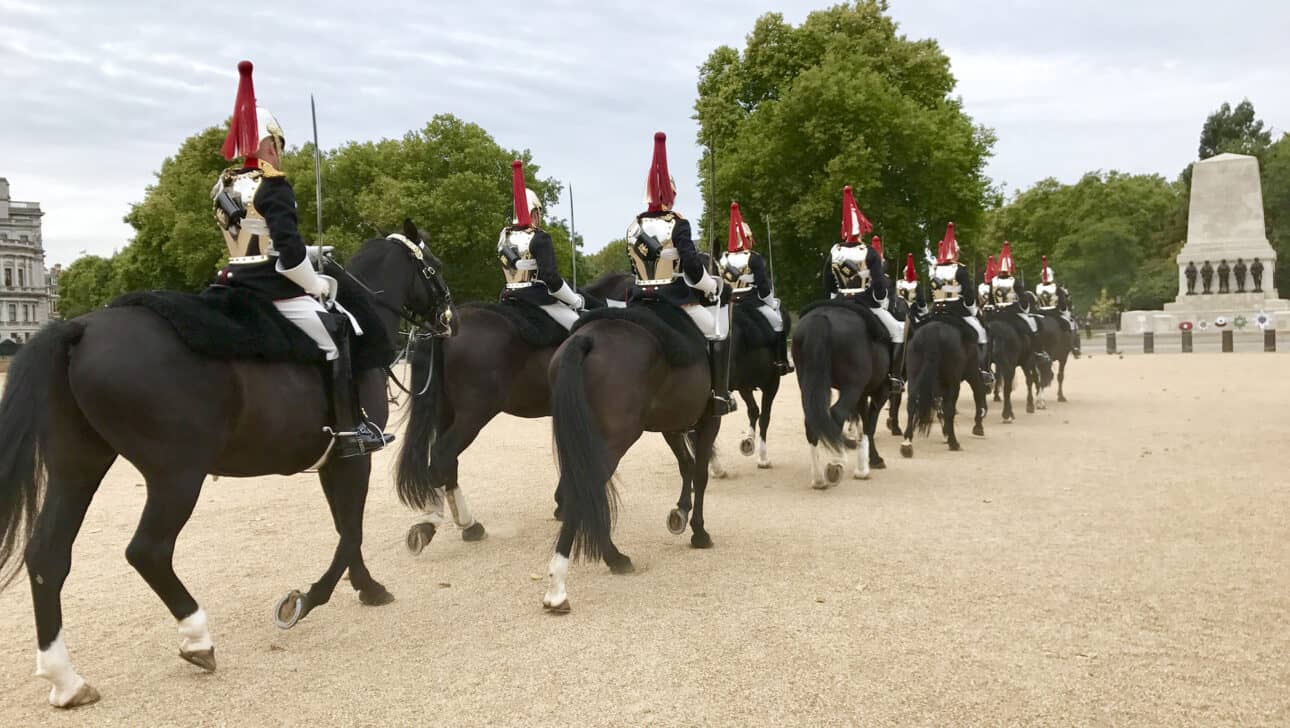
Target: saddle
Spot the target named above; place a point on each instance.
(877, 332)
(752, 328)
(682, 342)
(963, 327)
(534, 326)
(234, 324)
(1056, 315)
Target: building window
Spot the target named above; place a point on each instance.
(22, 278)
(13, 313)
(26, 312)
(8, 277)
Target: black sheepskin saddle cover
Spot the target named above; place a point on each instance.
(963, 327)
(535, 327)
(682, 342)
(752, 329)
(235, 324)
(877, 331)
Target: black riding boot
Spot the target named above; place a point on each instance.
(1075, 341)
(719, 365)
(781, 353)
(897, 369)
(1037, 347)
(983, 361)
(354, 436)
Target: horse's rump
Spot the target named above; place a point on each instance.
(681, 341)
(877, 331)
(754, 330)
(533, 325)
(963, 327)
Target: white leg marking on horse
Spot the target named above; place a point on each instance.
(559, 572)
(434, 514)
(55, 665)
(862, 459)
(193, 634)
(460, 511)
(763, 455)
(817, 472)
(714, 463)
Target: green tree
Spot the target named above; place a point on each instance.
(841, 99)
(1235, 130)
(1276, 204)
(85, 285)
(610, 259)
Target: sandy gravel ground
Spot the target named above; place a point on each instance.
(1120, 559)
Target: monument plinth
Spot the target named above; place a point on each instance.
(1225, 267)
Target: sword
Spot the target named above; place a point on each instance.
(573, 238)
(317, 169)
(770, 257)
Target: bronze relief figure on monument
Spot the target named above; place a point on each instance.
(1191, 277)
(1207, 277)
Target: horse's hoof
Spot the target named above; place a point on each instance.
(677, 521)
(86, 695)
(833, 474)
(561, 608)
(1008, 419)
(878, 464)
(419, 536)
(701, 540)
(978, 430)
(906, 451)
(1042, 405)
(205, 659)
(377, 596)
(860, 475)
(1061, 398)
(997, 398)
(955, 446)
(764, 466)
(558, 514)
(621, 565)
(476, 532)
(720, 474)
(289, 610)
(747, 447)
(1030, 409)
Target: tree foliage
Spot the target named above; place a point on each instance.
(841, 99)
(85, 285)
(1233, 130)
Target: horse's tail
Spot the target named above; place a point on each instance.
(429, 416)
(922, 391)
(813, 378)
(24, 417)
(590, 499)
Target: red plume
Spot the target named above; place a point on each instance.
(854, 224)
(659, 182)
(877, 245)
(738, 240)
(243, 131)
(940, 252)
(1005, 259)
(989, 269)
(911, 274)
(951, 245)
(1043, 273)
(522, 217)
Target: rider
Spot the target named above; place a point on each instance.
(983, 294)
(255, 208)
(668, 267)
(954, 294)
(853, 270)
(1054, 298)
(1010, 297)
(528, 258)
(745, 271)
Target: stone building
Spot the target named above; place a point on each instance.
(24, 292)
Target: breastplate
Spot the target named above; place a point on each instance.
(907, 291)
(247, 238)
(1002, 291)
(1046, 293)
(737, 272)
(945, 285)
(513, 250)
(849, 268)
(654, 256)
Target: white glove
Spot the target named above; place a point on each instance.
(304, 275)
(316, 253)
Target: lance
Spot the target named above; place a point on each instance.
(313, 112)
(770, 255)
(573, 239)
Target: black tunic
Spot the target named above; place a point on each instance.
(871, 296)
(549, 279)
(276, 201)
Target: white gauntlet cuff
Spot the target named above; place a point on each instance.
(305, 276)
(567, 296)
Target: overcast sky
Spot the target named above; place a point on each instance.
(96, 94)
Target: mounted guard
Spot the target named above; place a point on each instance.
(854, 270)
(750, 284)
(255, 208)
(984, 296)
(953, 294)
(1011, 299)
(528, 260)
(1054, 300)
(668, 268)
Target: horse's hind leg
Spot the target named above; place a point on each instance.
(979, 399)
(704, 436)
(949, 406)
(1061, 377)
(1006, 381)
(444, 461)
(748, 445)
(49, 559)
(681, 444)
(768, 393)
(171, 498)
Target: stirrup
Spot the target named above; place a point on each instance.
(361, 441)
(721, 406)
(783, 367)
(896, 383)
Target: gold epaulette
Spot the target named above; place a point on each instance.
(268, 170)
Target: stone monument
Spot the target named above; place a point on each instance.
(1224, 223)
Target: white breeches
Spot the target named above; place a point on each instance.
(303, 312)
(975, 323)
(562, 314)
(711, 320)
(772, 315)
(1030, 321)
(615, 303)
(894, 327)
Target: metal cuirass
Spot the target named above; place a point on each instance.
(907, 291)
(849, 268)
(1046, 294)
(737, 272)
(945, 284)
(246, 233)
(1003, 291)
(654, 266)
(514, 252)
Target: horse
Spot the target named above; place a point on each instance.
(1012, 351)
(900, 311)
(753, 369)
(834, 347)
(489, 366)
(120, 382)
(1056, 340)
(941, 355)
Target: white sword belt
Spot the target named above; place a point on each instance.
(249, 259)
(515, 286)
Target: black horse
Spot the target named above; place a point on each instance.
(940, 356)
(754, 369)
(836, 347)
(495, 362)
(119, 382)
(1056, 340)
(1010, 352)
